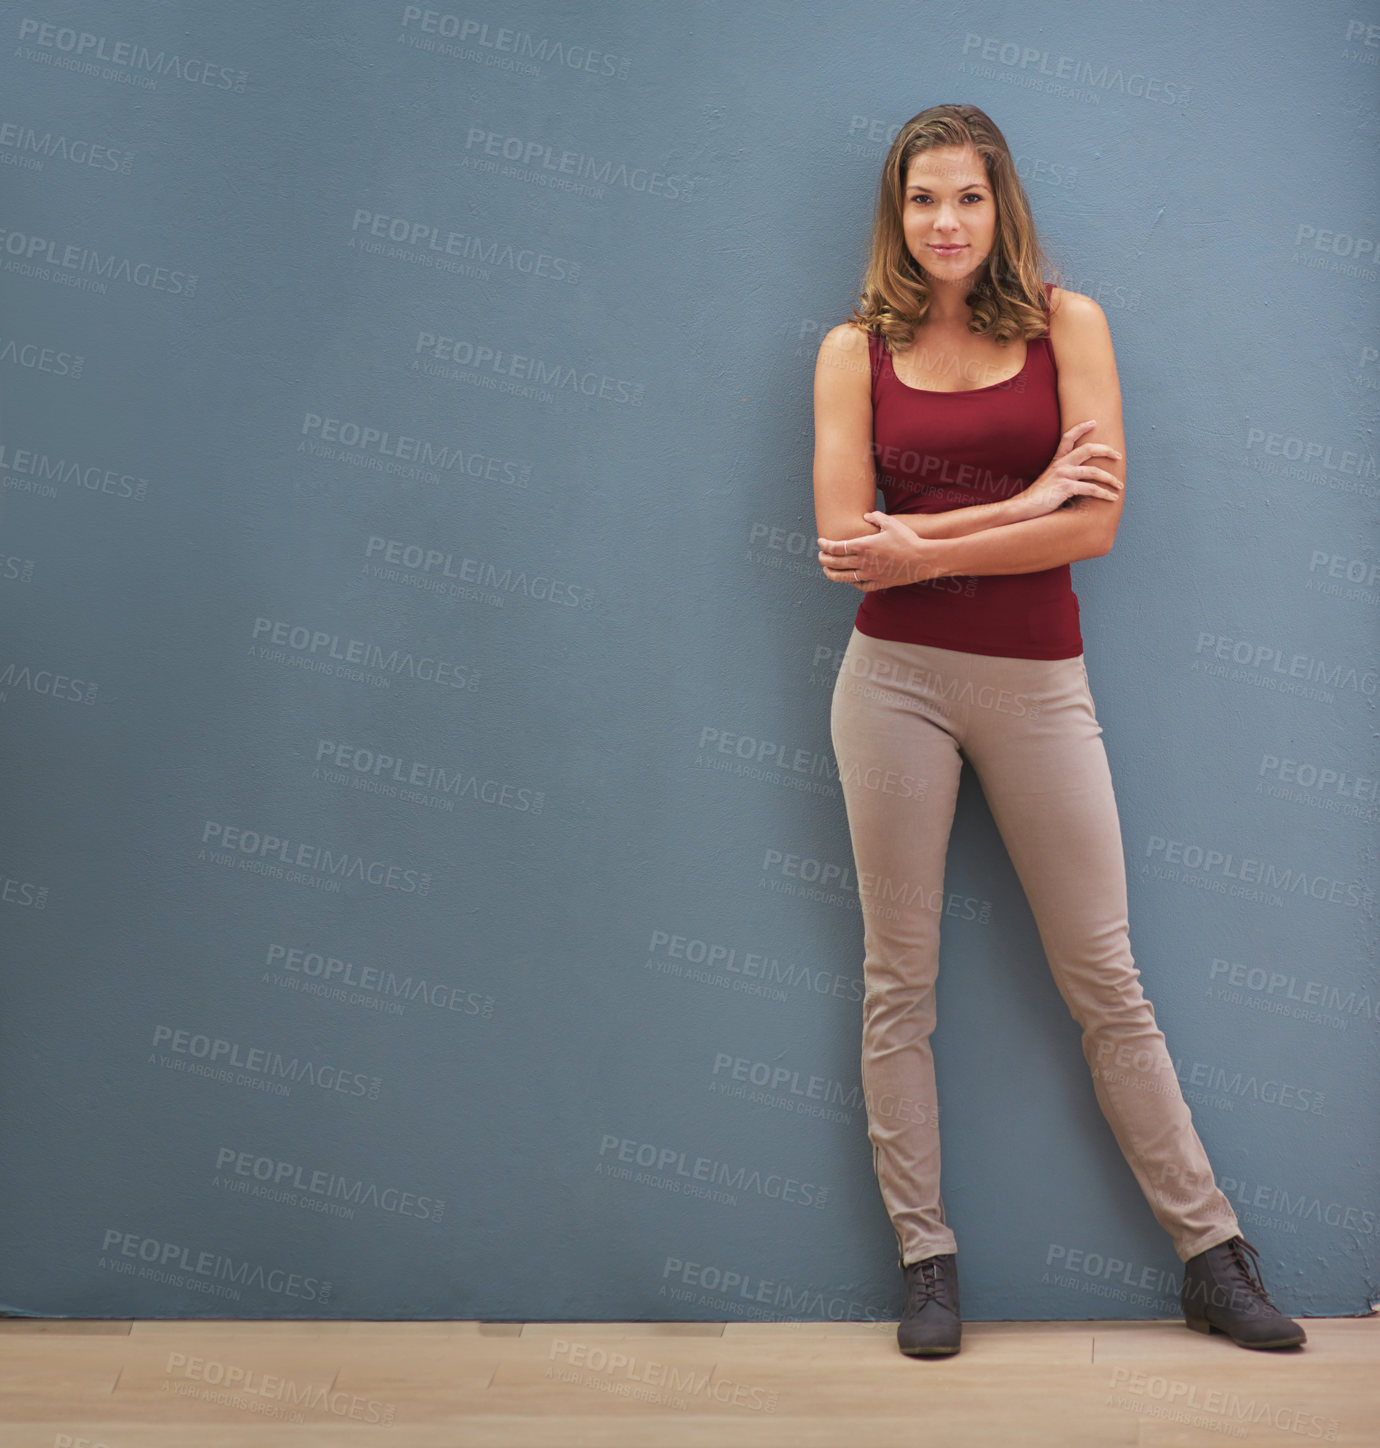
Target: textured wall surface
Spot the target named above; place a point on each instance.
(426, 888)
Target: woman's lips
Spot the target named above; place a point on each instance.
(947, 250)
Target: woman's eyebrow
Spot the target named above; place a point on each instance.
(966, 186)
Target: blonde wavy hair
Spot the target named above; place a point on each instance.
(1008, 295)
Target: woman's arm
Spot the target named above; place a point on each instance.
(960, 522)
(1064, 536)
(845, 472)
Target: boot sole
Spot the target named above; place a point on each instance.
(1199, 1324)
(929, 1351)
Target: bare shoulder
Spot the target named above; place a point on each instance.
(848, 339)
(1077, 326)
(843, 351)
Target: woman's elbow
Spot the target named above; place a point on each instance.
(1103, 540)
(836, 524)
(1101, 519)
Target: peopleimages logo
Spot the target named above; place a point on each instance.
(210, 1272)
(542, 157)
(320, 973)
(30, 470)
(1113, 1278)
(259, 1066)
(22, 892)
(275, 850)
(48, 259)
(1219, 1410)
(684, 1173)
(378, 767)
(683, 955)
(332, 653)
(435, 565)
(80, 49)
(1279, 994)
(504, 43)
(342, 438)
(1226, 1082)
(39, 357)
(1298, 1204)
(291, 1180)
(1220, 866)
(31, 148)
(1078, 70)
(783, 1087)
(46, 682)
(517, 368)
(234, 1385)
(743, 1287)
(387, 234)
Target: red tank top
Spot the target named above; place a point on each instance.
(940, 450)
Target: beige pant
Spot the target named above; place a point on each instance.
(904, 717)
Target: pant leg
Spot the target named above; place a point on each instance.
(1037, 748)
(899, 769)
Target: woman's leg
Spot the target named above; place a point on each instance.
(1037, 748)
(899, 768)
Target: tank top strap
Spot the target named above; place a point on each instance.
(1045, 341)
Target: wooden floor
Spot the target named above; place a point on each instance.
(179, 1384)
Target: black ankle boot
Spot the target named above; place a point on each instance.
(1222, 1291)
(930, 1325)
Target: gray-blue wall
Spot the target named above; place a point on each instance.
(426, 889)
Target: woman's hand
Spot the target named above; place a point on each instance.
(886, 559)
(1070, 475)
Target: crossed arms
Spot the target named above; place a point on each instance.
(1071, 511)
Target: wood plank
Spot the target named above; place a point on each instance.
(468, 1384)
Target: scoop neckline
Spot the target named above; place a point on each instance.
(964, 391)
(958, 391)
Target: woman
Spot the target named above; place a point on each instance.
(985, 404)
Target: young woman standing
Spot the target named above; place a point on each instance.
(984, 402)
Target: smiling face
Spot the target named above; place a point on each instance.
(949, 214)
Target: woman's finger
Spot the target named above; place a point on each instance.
(1088, 469)
(1066, 442)
(849, 576)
